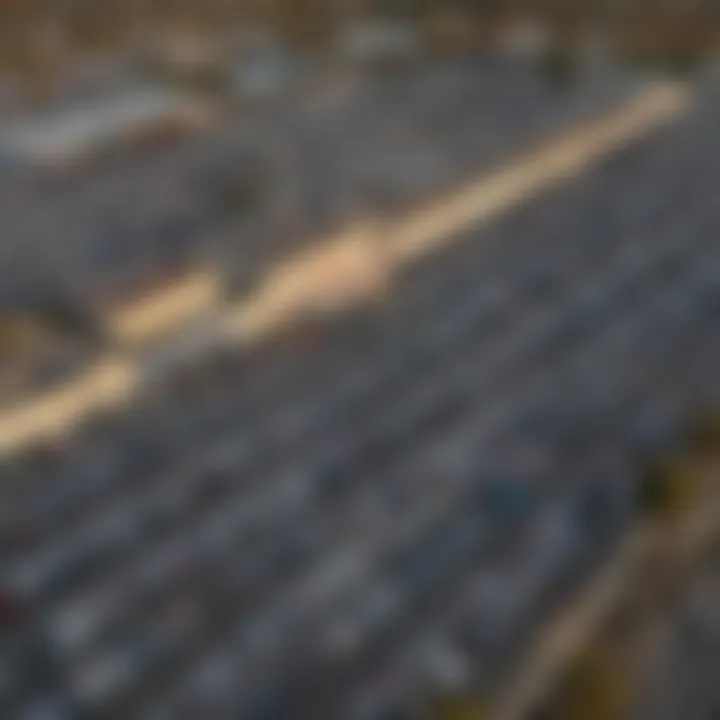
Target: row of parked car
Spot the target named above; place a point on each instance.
(256, 188)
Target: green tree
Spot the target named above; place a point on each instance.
(595, 688)
(668, 487)
(706, 430)
(458, 706)
(558, 66)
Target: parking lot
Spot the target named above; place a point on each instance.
(358, 513)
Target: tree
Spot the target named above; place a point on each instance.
(706, 430)
(668, 487)
(558, 65)
(458, 706)
(595, 688)
(17, 334)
